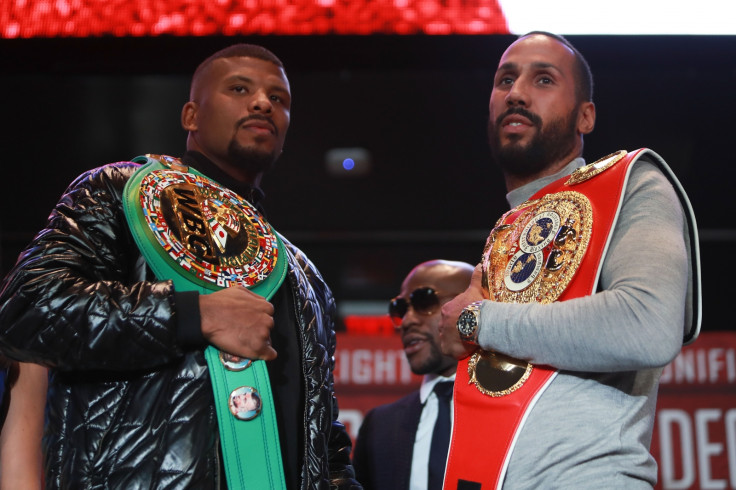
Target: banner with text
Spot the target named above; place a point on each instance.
(694, 438)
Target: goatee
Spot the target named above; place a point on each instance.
(250, 159)
(551, 143)
(435, 363)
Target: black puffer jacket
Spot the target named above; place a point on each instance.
(129, 405)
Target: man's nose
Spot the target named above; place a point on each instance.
(517, 95)
(411, 318)
(260, 102)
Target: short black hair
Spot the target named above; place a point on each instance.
(583, 74)
(237, 51)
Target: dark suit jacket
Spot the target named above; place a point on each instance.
(385, 443)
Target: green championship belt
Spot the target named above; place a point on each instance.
(204, 237)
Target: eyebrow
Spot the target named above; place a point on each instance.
(537, 65)
(235, 78)
(243, 78)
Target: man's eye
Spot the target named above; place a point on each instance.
(275, 98)
(239, 89)
(545, 80)
(505, 81)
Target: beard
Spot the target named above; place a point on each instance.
(436, 362)
(250, 159)
(551, 143)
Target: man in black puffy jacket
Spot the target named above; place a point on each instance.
(130, 401)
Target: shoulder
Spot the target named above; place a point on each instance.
(390, 417)
(650, 185)
(110, 176)
(118, 171)
(647, 171)
(300, 259)
(407, 401)
(642, 176)
(99, 189)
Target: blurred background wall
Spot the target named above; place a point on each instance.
(416, 106)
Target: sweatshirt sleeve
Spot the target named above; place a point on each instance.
(635, 320)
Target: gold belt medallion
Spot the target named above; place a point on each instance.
(207, 229)
(534, 258)
(495, 374)
(531, 260)
(592, 169)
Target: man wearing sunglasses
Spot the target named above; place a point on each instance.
(394, 444)
(587, 288)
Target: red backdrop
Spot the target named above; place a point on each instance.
(82, 18)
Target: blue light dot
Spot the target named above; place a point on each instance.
(348, 164)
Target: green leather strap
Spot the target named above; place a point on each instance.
(251, 449)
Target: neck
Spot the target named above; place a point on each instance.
(449, 371)
(239, 174)
(235, 172)
(232, 170)
(516, 181)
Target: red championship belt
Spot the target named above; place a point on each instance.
(548, 249)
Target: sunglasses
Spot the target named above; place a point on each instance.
(424, 300)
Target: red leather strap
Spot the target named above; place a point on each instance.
(486, 427)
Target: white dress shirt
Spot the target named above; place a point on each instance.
(423, 440)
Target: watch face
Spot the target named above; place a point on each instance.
(466, 323)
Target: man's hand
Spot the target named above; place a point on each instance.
(450, 342)
(239, 322)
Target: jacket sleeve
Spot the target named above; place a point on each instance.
(362, 453)
(327, 433)
(342, 475)
(79, 297)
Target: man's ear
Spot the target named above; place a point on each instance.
(189, 116)
(586, 117)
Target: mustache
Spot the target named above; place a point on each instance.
(536, 120)
(258, 117)
(416, 334)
